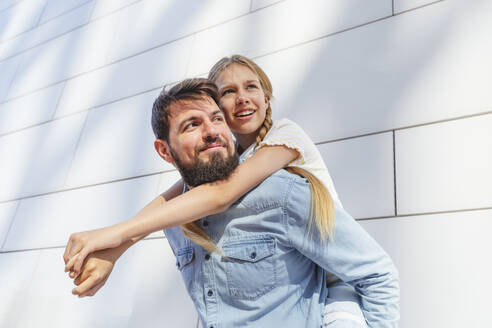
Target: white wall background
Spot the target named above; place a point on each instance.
(397, 94)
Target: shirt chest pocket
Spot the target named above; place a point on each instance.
(250, 266)
(184, 262)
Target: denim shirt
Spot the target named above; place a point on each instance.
(273, 268)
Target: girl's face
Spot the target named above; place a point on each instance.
(243, 101)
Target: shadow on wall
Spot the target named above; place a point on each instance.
(45, 154)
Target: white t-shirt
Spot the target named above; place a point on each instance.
(284, 132)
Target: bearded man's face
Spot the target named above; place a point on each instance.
(200, 142)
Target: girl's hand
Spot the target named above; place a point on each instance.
(95, 272)
(83, 243)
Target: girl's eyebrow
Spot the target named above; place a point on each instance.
(224, 87)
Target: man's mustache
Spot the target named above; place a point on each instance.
(210, 141)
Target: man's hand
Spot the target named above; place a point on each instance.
(95, 271)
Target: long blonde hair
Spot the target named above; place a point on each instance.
(322, 206)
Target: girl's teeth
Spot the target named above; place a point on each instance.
(245, 113)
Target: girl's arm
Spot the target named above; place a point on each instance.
(98, 265)
(77, 239)
(207, 199)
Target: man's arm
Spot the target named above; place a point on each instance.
(353, 256)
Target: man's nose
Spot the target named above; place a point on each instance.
(209, 130)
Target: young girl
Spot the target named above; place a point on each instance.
(245, 93)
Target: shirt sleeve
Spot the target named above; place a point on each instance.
(287, 133)
(352, 255)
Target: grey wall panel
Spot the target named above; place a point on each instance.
(16, 274)
(120, 137)
(426, 65)
(8, 68)
(284, 25)
(32, 109)
(442, 260)
(155, 22)
(74, 53)
(46, 31)
(38, 286)
(126, 78)
(55, 8)
(445, 166)
(362, 170)
(48, 221)
(37, 160)
(19, 18)
(106, 7)
(402, 5)
(7, 212)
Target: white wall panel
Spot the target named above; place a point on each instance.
(444, 266)
(46, 31)
(126, 78)
(283, 25)
(16, 275)
(106, 7)
(7, 212)
(257, 4)
(167, 180)
(55, 8)
(5, 4)
(161, 298)
(8, 69)
(402, 5)
(144, 290)
(20, 18)
(49, 220)
(426, 65)
(37, 160)
(117, 142)
(34, 108)
(71, 54)
(444, 167)
(362, 171)
(155, 22)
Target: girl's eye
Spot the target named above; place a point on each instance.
(252, 86)
(227, 91)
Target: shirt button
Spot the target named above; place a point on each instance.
(205, 223)
(252, 255)
(210, 292)
(207, 257)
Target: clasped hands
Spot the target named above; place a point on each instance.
(90, 257)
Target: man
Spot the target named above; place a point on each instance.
(269, 270)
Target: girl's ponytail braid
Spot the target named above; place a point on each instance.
(267, 124)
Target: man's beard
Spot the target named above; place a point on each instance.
(216, 168)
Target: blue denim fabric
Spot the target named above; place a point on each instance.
(274, 271)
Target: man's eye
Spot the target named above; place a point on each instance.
(190, 125)
(218, 118)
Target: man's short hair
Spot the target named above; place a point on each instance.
(189, 89)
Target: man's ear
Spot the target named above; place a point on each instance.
(162, 148)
